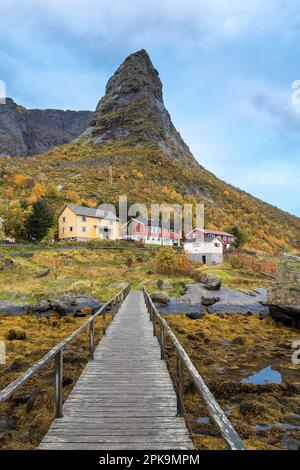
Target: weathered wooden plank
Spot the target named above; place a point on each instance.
(132, 446)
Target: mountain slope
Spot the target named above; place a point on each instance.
(132, 133)
(26, 132)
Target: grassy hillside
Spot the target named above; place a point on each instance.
(79, 173)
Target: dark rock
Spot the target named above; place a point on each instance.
(42, 273)
(79, 315)
(9, 307)
(82, 302)
(211, 282)
(196, 315)
(63, 308)
(43, 306)
(16, 365)
(284, 295)
(160, 297)
(209, 300)
(26, 132)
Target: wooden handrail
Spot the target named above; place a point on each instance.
(57, 353)
(223, 424)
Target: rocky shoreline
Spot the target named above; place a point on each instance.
(67, 305)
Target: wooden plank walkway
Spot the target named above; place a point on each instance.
(125, 398)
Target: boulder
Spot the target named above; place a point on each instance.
(9, 307)
(283, 297)
(63, 308)
(211, 282)
(42, 273)
(160, 297)
(82, 303)
(196, 315)
(207, 301)
(43, 306)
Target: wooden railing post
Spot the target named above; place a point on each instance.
(103, 324)
(58, 384)
(162, 342)
(154, 323)
(179, 378)
(91, 340)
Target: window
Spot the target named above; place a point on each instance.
(63, 230)
(217, 244)
(83, 218)
(71, 229)
(63, 219)
(83, 229)
(110, 222)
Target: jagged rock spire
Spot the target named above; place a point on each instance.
(133, 109)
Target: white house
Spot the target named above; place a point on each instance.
(204, 250)
(227, 239)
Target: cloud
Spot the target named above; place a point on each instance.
(226, 65)
(268, 104)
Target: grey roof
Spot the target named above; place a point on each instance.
(92, 212)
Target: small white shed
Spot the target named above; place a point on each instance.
(205, 250)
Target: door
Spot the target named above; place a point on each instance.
(204, 259)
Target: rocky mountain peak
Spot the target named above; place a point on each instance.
(25, 132)
(136, 75)
(133, 109)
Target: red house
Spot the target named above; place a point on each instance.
(151, 232)
(226, 238)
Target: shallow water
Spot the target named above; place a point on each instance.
(202, 420)
(269, 427)
(266, 375)
(231, 301)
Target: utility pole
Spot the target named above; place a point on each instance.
(111, 175)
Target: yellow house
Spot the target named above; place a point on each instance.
(81, 223)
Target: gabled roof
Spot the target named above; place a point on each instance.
(218, 233)
(152, 223)
(91, 212)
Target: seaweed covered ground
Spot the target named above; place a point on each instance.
(26, 416)
(227, 350)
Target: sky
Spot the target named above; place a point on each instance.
(227, 67)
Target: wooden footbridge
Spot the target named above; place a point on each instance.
(125, 398)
